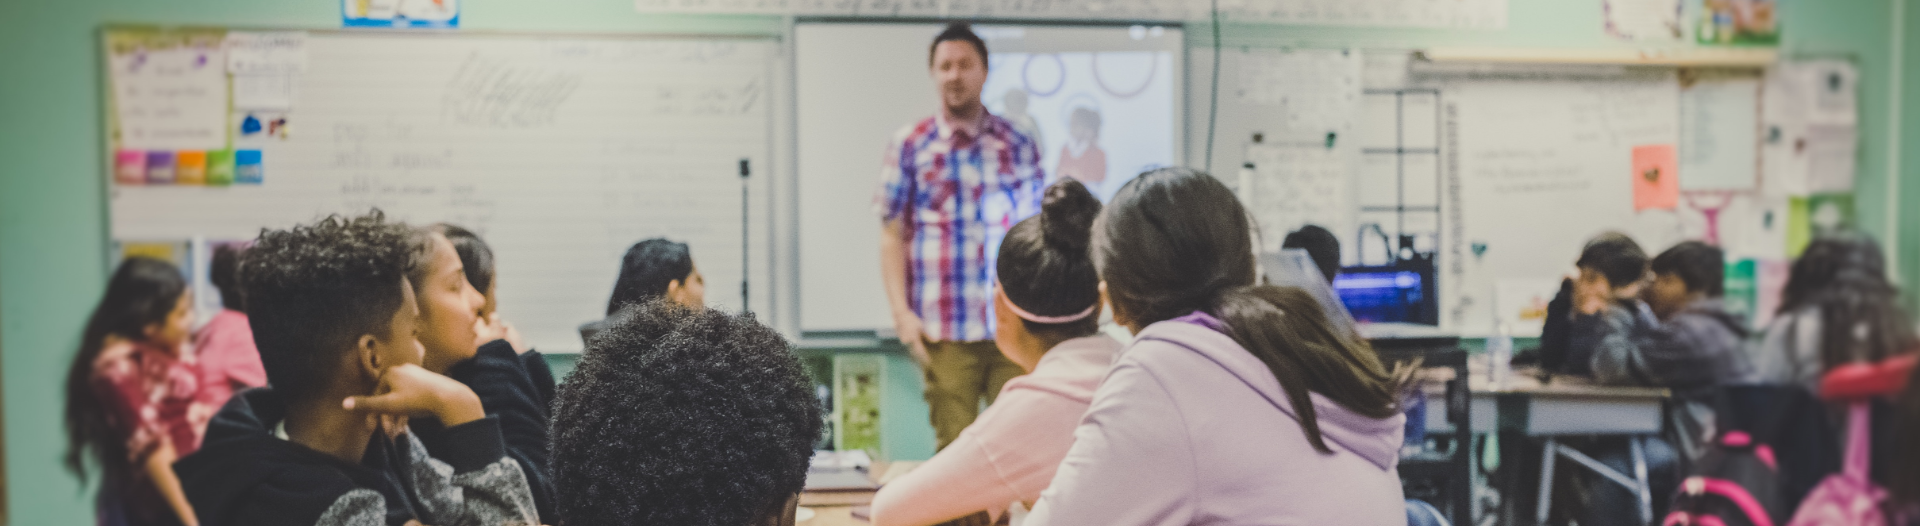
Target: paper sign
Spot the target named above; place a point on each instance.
(220, 168)
(160, 167)
(401, 13)
(1720, 134)
(1644, 20)
(247, 167)
(130, 167)
(1522, 303)
(266, 53)
(190, 167)
(170, 98)
(1656, 177)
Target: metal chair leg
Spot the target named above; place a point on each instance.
(1645, 492)
(1546, 482)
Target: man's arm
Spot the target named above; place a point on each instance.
(893, 271)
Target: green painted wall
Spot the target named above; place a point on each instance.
(52, 215)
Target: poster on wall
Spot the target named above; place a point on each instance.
(425, 14)
(1737, 22)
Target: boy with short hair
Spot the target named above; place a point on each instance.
(1598, 309)
(334, 318)
(683, 415)
(1695, 343)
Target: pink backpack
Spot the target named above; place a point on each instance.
(1848, 498)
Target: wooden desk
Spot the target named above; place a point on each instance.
(832, 516)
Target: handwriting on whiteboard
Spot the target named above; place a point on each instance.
(495, 94)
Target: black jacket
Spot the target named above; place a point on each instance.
(244, 474)
(518, 390)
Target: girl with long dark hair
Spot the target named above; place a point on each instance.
(1838, 307)
(131, 395)
(1235, 403)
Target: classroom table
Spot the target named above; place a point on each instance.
(1567, 407)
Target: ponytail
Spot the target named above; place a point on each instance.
(1175, 240)
(1285, 328)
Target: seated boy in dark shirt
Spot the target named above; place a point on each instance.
(1598, 309)
(683, 415)
(335, 318)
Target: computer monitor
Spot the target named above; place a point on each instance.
(1401, 293)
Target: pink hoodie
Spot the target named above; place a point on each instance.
(1189, 428)
(1010, 452)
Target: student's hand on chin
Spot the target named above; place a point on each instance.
(491, 327)
(410, 390)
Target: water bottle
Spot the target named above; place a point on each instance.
(1500, 356)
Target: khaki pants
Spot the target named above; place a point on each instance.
(959, 375)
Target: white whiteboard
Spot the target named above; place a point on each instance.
(560, 152)
(858, 83)
(1534, 168)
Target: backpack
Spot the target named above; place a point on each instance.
(1848, 498)
(1736, 483)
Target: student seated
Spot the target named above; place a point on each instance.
(1320, 244)
(1695, 344)
(652, 269)
(1692, 346)
(1839, 282)
(224, 346)
(476, 261)
(131, 401)
(1597, 309)
(1236, 403)
(683, 415)
(467, 343)
(1048, 313)
(335, 320)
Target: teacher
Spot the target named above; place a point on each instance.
(950, 187)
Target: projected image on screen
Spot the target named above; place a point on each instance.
(1099, 117)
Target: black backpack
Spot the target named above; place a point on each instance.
(1736, 483)
(1772, 444)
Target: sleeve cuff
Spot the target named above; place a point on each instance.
(498, 349)
(470, 446)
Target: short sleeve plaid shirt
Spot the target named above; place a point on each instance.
(957, 192)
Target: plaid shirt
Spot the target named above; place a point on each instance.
(958, 194)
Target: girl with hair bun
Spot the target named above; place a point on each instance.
(1047, 304)
(1234, 403)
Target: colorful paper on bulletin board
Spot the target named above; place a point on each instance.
(190, 167)
(220, 168)
(1741, 293)
(130, 167)
(856, 401)
(160, 167)
(1810, 217)
(248, 167)
(1521, 303)
(1737, 22)
(444, 14)
(1656, 177)
(169, 90)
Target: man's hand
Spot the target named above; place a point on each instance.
(912, 334)
(1591, 293)
(411, 390)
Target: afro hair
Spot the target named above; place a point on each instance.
(682, 416)
(312, 290)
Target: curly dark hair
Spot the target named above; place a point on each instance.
(313, 289)
(682, 416)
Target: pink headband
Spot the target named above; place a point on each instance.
(1023, 314)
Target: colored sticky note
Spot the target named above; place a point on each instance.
(1656, 177)
(130, 166)
(219, 167)
(247, 168)
(190, 167)
(160, 167)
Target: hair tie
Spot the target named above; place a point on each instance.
(1050, 320)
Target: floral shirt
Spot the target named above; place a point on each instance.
(152, 396)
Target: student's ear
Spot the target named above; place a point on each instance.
(676, 289)
(366, 353)
(783, 514)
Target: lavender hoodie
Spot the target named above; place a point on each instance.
(1189, 428)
